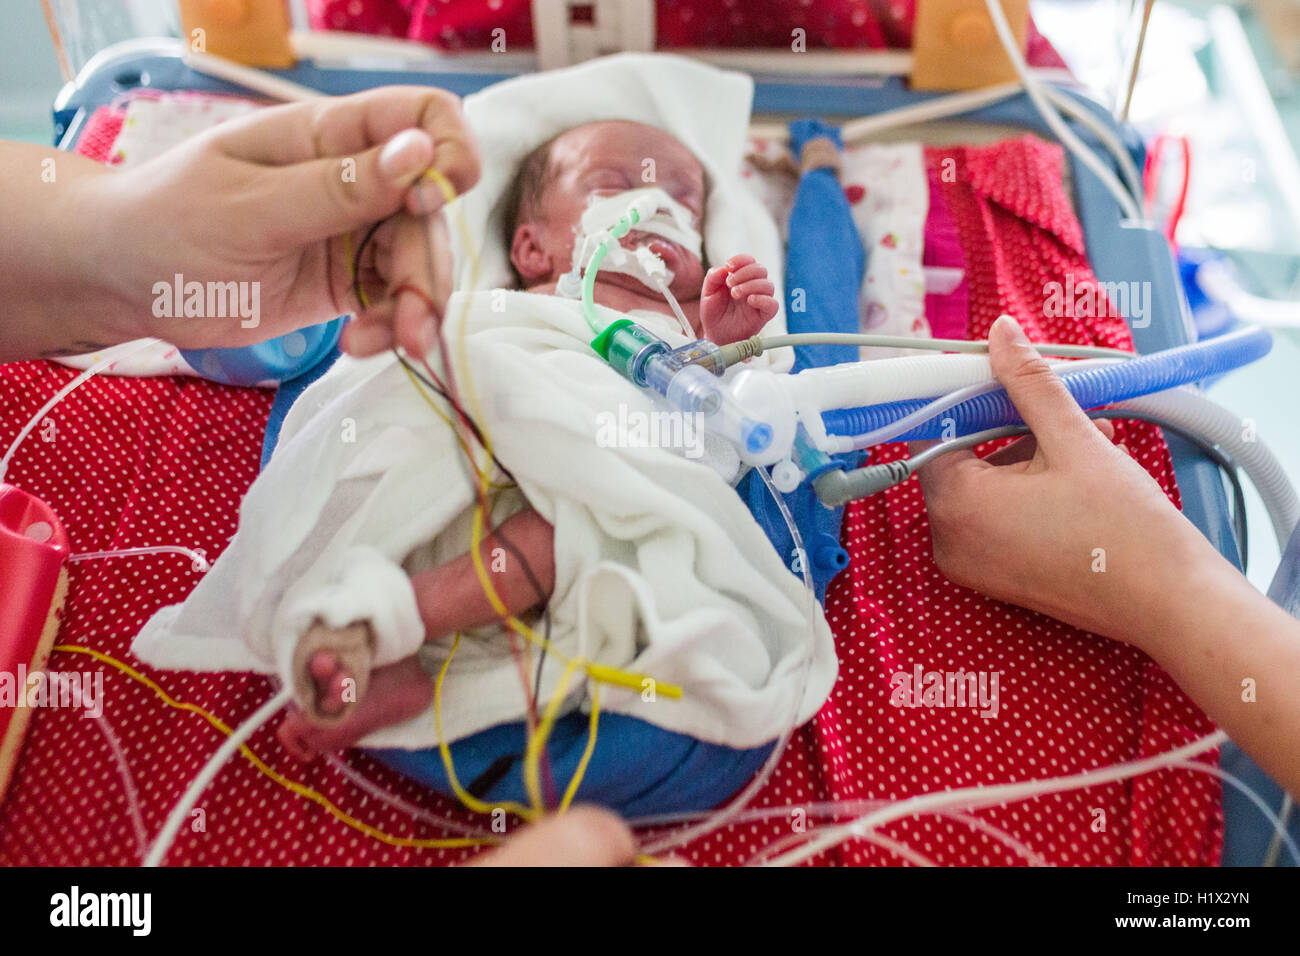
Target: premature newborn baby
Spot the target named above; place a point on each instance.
(339, 699)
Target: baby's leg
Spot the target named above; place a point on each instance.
(450, 598)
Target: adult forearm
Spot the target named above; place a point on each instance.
(54, 256)
(1237, 655)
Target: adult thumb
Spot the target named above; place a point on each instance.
(1038, 393)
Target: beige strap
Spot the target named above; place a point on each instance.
(820, 153)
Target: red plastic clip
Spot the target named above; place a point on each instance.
(33, 552)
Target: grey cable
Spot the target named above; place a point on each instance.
(747, 348)
(836, 488)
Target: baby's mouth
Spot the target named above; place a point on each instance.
(667, 250)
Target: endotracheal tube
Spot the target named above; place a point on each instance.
(685, 377)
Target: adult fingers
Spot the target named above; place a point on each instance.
(585, 836)
(1038, 393)
(338, 164)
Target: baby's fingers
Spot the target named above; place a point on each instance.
(746, 274)
(744, 290)
(766, 306)
(715, 280)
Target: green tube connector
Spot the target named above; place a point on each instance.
(621, 229)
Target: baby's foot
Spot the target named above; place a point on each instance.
(397, 693)
(331, 667)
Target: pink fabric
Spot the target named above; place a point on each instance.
(96, 140)
(171, 457)
(946, 313)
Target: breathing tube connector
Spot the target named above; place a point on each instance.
(682, 377)
(617, 232)
(1090, 387)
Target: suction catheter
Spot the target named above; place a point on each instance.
(795, 422)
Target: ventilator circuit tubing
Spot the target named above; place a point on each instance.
(1193, 412)
(934, 408)
(1091, 387)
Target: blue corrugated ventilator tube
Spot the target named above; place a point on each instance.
(1092, 387)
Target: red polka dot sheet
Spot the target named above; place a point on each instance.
(139, 462)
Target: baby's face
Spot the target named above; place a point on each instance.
(601, 159)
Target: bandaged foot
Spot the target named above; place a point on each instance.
(396, 693)
(331, 668)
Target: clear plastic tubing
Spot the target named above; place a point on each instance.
(1100, 384)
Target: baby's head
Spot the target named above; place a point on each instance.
(557, 181)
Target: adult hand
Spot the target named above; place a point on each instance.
(585, 836)
(1063, 522)
(279, 202)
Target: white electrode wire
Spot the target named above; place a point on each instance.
(1105, 135)
(369, 787)
(742, 799)
(256, 81)
(63, 393)
(1052, 118)
(975, 346)
(936, 108)
(1284, 819)
(200, 783)
(1280, 834)
(900, 426)
(841, 808)
(199, 561)
(955, 104)
(888, 844)
(972, 798)
(129, 790)
(899, 849)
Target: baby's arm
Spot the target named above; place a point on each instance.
(737, 300)
(450, 596)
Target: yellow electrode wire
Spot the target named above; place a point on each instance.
(572, 789)
(463, 795)
(292, 785)
(599, 673)
(537, 741)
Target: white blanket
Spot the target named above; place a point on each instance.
(660, 568)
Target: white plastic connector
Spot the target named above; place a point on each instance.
(786, 475)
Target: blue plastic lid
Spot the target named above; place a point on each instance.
(276, 360)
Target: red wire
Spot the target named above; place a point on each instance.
(1151, 179)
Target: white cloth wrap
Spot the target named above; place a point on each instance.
(660, 568)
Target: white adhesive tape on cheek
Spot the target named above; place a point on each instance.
(670, 219)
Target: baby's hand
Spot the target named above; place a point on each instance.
(736, 300)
